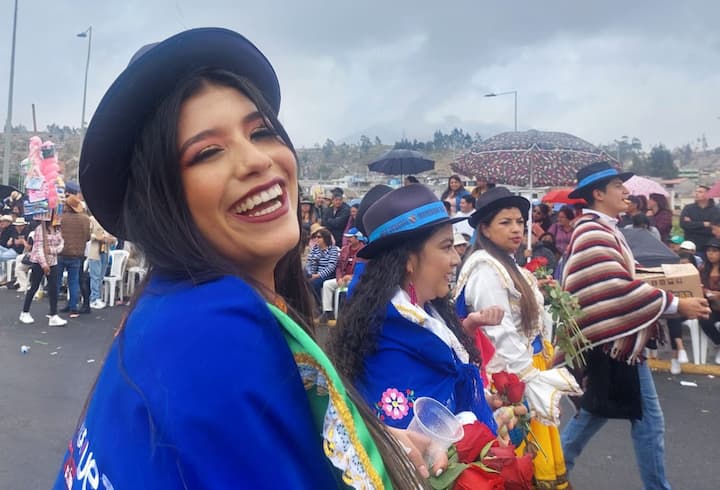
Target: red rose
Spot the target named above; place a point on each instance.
(533, 265)
(543, 261)
(475, 478)
(500, 380)
(515, 391)
(517, 472)
(477, 436)
(513, 378)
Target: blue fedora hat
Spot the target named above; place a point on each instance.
(596, 174)
(397, 215)
(152, 74)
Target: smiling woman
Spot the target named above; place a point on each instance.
(214, 379)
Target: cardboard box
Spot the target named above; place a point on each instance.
(683, 280)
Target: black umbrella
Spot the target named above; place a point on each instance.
(648, 250)
(402, 162)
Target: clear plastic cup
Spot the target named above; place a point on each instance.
(433, 420)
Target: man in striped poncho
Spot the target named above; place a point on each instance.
(618, 313)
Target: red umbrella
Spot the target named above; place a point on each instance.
(560, 196)
(714, 190)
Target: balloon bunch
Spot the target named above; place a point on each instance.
(43, 182)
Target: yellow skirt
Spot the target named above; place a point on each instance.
(549, 462)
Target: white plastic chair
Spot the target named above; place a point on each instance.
(338, 291)
(135, 273)
(9, 268)
(115, 279)
(699, 341)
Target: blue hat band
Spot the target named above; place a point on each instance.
(410, 220)
(597, 176)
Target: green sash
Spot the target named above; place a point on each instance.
(346, 440)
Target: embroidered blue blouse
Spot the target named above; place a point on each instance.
(411, 362)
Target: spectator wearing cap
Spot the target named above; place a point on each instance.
(675, 243)
(690, 247)
(76, 233)
(343, 272)
(336, 216)
(350, 222)
(21, 243)
(308, 216)
(696, 218)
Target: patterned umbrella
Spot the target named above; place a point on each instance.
(642, 186)
(530, 158)
(714, 191)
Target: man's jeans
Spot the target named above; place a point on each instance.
(72, 265)
(647, 435)
(96, 268)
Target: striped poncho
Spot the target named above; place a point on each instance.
(618, 309)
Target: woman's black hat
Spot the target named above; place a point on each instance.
(397, 215)
(153, 72)
(494, 199)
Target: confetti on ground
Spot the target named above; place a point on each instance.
(58, 347)
(704, 411)
(688, 383)
(53, 353)
(41, 342)
(90, 360)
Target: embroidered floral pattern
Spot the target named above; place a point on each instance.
(395, 404)
(339, 445)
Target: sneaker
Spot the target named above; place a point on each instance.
(323, 320)
(26, 318)
(98, 304)
(65, 310)
(682, 356)
(56, 321)
(675, 367)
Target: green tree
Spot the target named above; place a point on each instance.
(661, 164)
(328, 149)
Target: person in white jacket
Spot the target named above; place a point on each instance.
(521, 344)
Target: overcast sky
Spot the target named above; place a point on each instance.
(599, 70)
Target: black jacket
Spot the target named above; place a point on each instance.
(695, 230)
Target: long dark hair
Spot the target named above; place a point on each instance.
(359, 327)
(706, 270)
(447, 191)
(661, 201)
(528, 305)
(155, 205)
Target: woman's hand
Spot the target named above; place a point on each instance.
(417, 447)
(46, 269)
(492, 315)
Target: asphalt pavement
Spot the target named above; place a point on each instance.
(42, 393)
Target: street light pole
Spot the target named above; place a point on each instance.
(514, 93)
(88, 34)
(8, 121)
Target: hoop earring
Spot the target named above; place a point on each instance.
(412, 293)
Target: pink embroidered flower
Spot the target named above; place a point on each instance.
(394, 404)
